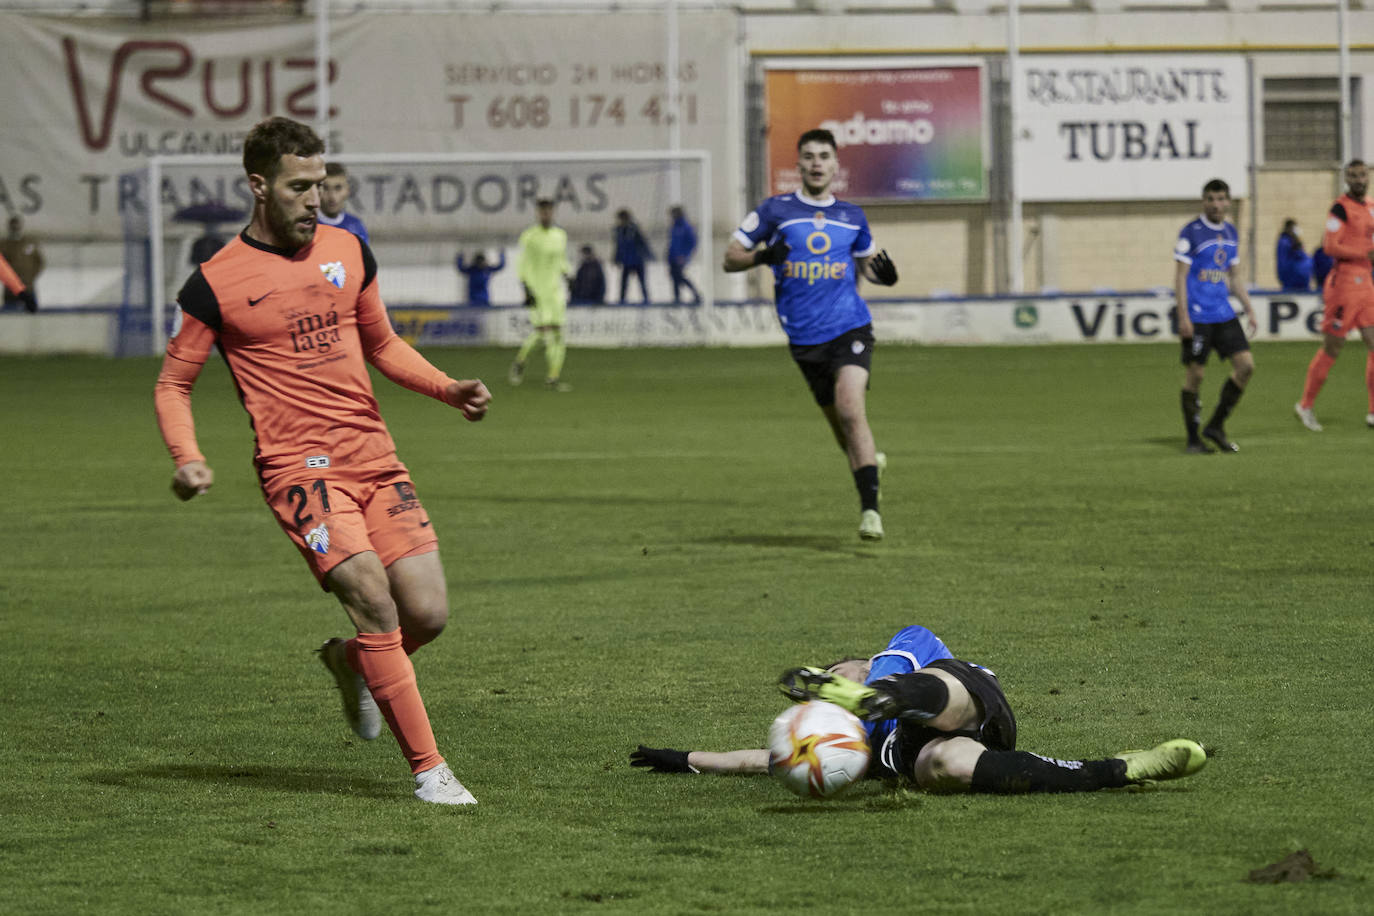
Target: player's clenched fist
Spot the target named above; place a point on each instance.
(192, 479)
(470, 396)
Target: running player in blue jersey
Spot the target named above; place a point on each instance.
(1205, 278)
(817, 247)
(941, 723)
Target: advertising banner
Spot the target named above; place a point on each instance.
(904, 133)
(88, 101)
(1141, 318)
(1129, 127)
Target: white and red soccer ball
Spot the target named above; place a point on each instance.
(817, 749)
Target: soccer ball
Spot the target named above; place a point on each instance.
(817, 749)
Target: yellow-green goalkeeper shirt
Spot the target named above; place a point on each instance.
(543, 263)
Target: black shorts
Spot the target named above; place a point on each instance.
(820, 363)
(1225, 337)
(996, 728)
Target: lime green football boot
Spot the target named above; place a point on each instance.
(1170, 760)
(802, 685)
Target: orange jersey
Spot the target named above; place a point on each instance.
(1349, 239)
(9, 278)
(297, 330)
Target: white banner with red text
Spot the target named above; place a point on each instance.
(88, 101)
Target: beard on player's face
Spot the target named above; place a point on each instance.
(292, 226)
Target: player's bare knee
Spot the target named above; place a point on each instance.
(946, 764)
(424, 623)
(371, 611)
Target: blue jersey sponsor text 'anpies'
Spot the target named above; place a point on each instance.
(815, 291)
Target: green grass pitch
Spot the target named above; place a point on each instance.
(636, 561)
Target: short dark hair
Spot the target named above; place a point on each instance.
(817, 135)
(334, 169)
(273, 138)
(1353, 163)
(544, 202)
(1216, 184)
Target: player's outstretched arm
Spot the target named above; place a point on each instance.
(668, 760)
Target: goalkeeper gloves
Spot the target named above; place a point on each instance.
(775, 253)
(662, 760)
(29, 299)
(884, 271)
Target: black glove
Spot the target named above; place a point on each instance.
(529, 296)
(661, 760)
(775, 253)
(884, 271)
(27, 297)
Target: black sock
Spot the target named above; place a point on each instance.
(919, 696)
(1230, 394)
(1192, 413)
(1019, 772)
(866, 479)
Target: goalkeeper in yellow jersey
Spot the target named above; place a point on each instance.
(543, 267)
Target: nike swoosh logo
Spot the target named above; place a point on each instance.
(253, 302)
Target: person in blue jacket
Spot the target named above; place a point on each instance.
(1293, 264)
(478, 273)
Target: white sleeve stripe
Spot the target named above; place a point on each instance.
(743, 239)
(828, 222)
(915, 663)
(1184, 258)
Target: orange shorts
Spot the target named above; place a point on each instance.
(1349, 304)
(330, 514)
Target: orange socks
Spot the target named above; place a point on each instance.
(1317, 371)
(384, 665)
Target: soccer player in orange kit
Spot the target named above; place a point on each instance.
(295, 310)
(1348, 292)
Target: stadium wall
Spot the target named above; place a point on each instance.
(943, 247)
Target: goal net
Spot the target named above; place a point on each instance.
(421, 212)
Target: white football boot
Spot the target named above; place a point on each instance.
(439, 786)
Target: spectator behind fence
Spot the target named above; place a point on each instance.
(589, 284)
(25, 256)
(682, 243)
(1321, 266)
(478, 273)
(207, 246)
(631, 253)
(1293, 264)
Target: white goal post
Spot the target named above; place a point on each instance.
(423, 209)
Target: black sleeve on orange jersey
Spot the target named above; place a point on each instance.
(198, 300)
(1338, 211)
(369, 264)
